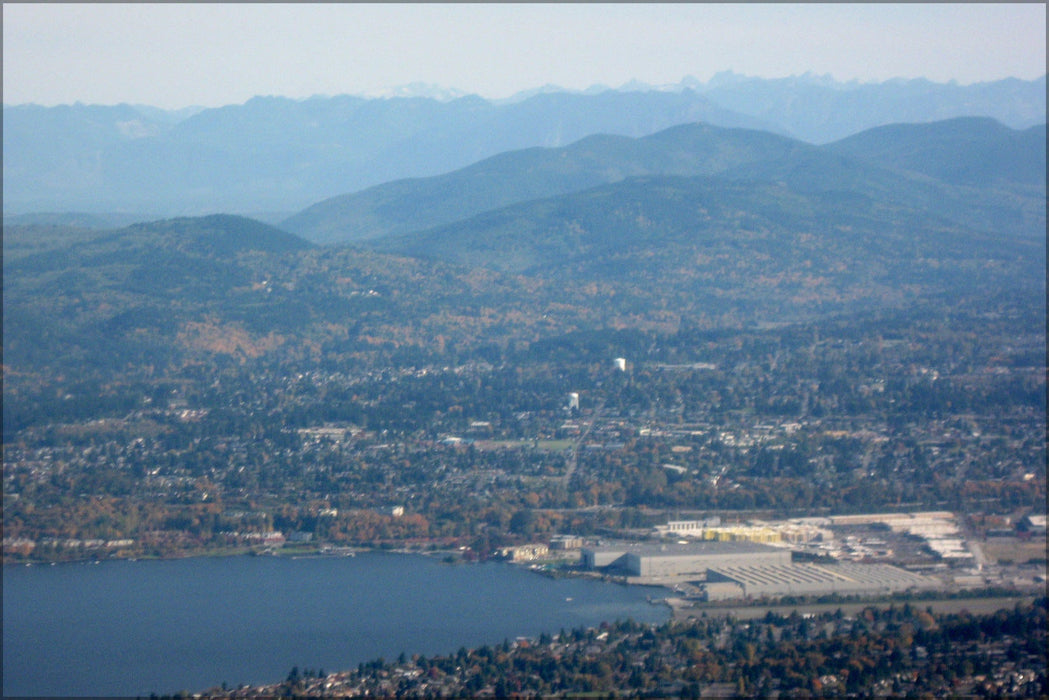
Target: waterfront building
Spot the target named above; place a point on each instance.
(651, 560)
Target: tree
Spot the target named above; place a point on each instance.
(523, 522)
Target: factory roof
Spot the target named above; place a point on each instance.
(840, 575)
(656, 549)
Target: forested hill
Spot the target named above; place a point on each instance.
(102, 298)
(918, 166)
(695, 222)
(646, 252)
(43, 248)
(971, 172)
(964, 151)
(517, 176)
(766, 246)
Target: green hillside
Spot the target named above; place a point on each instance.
(103, 297)
(917, 166)
(759, 245)
(647, 253)
(968, 151)
(1011, 210)
(774, 229)
(517, 176)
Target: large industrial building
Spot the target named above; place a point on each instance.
(730, 570)
(669, 560)
(811, 579)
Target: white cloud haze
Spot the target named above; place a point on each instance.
(175, 55)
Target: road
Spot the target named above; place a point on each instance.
(573, 459)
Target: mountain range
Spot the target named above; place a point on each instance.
(695, 225)
(274, 156)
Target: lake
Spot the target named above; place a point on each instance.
(127, 628)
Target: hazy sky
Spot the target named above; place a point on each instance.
(176, 55)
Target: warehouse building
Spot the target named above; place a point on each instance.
(731, 570)
(670, 560)
(565, 542)
(725, 582)
(603, 556)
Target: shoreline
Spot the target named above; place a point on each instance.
(974, 604)
(219, 552)
(288, 553)
(666, 594)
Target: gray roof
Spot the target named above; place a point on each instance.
(655, 549)
(838, 577)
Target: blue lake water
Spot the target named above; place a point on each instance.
(125, 628)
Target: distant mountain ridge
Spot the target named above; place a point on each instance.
(410, 205)
(279, 154)
(918, 166)
(975, 151)
(276, 154)
(820, 110)
(660, 227)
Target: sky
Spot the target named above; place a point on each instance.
(175, 55)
